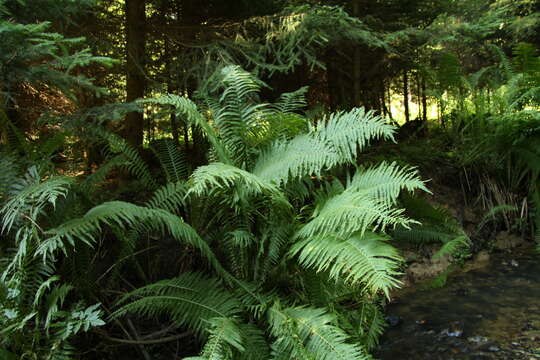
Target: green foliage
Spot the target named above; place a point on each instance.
(191, 300)
(247, 207)
(53, 59)
(435, 225)
(304, 333)
(361, 258)
(172, 160)
(38, 321)
(332, 142)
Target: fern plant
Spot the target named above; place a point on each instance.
(268, 213)
(37, 320)
(287, 253)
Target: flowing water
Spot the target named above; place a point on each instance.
(491, 313)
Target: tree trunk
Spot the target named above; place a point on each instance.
(424, 101)
(135, 84)
(406, 95)
(357, 96)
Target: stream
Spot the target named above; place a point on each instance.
(488, 313)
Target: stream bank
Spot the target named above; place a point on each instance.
(492, 312)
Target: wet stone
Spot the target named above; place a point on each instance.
(392, 320)
(477, 339)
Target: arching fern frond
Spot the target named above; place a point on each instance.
(224, 337)
(386, 181)
(123, 215)
(310, 333)
(99, 176)
(218, 175)
(359, 259)
(135, 164)
(191, 300)
(372, 319)
(169, 197)
(350, 132)
(187, 108)
(451, 247)
(352, 211)
(237, 111)
(172, 160)
(292, 101)
(294, 159)
(334, 141)
(30, 199)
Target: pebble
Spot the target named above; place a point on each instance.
(454, 333)
(514, 263)
(392, 320)
(477, 339)
(494, 348)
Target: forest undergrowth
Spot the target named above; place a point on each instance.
(245, 190)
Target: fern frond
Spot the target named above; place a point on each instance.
(423, 234)
(310, 333)
(236, 111)
(386, 181)
(273, 245)
(490, 215)
(350, 132)
(185, 107)
(9, 173)
(135, 164)
(218, 175)
(292, 101)
(360, 259)
(294, 159)
(172, 159)
(452, 246)
(373, 325)
(169, 197)
(224, 336)
(254, 342)
(99, 176)
(29, 201)
(191, 300)
(353, 211)
(332, 142)
(123, 215)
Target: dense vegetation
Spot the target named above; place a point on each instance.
(233, 179)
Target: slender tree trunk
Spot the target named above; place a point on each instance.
(424, 101)
(172, 88)
(418, 95)
(357, 96)
(389, 99)
(135, 84)
(406, 95)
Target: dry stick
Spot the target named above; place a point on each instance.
(147, 342)
(122, 259)
(143, 351)
(137, 338)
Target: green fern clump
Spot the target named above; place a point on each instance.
(269, 250)
(272, 254)
(37, 321)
